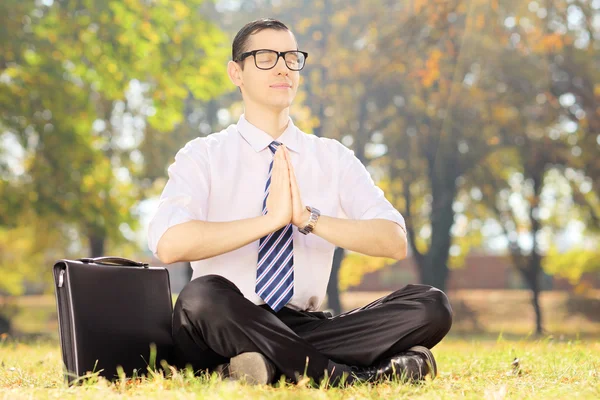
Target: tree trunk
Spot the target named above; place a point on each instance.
(535, 259)
(96, 241)
(4, 324)
(535, 301)
(333, 291)
(533, 281)
(434, 271)
(534, 269)
(433, 266)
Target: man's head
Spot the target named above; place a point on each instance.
(265, 78)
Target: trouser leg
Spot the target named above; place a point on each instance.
(213, 322)
(413, 315)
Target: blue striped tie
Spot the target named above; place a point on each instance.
(275, 272)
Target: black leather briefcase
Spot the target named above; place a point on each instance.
(112, 312)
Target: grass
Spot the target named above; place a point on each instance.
(475, 361)
(546, 369)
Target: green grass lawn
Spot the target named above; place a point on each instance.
(547, 369)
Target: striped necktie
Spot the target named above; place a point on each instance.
(275, 272)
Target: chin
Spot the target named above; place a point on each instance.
(280, 105)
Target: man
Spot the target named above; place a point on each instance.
(256, 208)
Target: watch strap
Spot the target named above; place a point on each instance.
(312, 221)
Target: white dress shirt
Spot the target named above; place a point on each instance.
(222, 177)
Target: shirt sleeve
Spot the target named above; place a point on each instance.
(185, 196)
(360, 198)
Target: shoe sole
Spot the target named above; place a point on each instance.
(429, 359)
(252, 367)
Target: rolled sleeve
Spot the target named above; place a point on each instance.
(185, 196)
(360, 198)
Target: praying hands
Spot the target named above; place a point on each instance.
(284, 202)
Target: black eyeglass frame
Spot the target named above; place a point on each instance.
(282, 54)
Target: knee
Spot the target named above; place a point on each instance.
(204, 298)
(437, 310)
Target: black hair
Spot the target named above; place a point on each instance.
(240, 42)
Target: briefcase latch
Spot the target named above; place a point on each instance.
(61, 278)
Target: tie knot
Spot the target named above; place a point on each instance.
(274, 145)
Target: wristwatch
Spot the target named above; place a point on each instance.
(312, 221)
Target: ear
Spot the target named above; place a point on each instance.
(235, 73)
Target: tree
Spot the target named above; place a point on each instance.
(571, 47)
(513, 176)
(435, 110)
(387, 79)
(339, 81)
(82, 59)
(81, 84)
(545, 141)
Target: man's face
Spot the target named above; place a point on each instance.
(274, 88)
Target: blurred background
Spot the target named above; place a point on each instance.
(480, 119)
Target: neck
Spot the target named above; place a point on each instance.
(270, 121)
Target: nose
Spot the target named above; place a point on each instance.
(281, 67)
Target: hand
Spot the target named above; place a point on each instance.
(279, 200)
(300, 215)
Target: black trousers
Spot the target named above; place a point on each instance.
(213, 322)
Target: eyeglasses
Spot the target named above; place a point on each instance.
(268, 59)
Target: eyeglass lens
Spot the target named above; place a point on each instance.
(267, 59)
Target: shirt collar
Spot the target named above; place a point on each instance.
(259, 139)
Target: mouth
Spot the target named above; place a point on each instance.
(281, 86)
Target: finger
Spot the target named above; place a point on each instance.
(275, 178)
(293, 181)
(284, 161)
(289, 163)
(276, 164)
(285, 152)
(284, 174)
(289, 160)
(276, 175)
(279, 153)
(278, 158)
(292, 175)
(283, 156)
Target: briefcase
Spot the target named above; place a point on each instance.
(113, 313)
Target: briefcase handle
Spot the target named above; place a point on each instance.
(119, 261)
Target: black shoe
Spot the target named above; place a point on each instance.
(254, 368)
(412, 365)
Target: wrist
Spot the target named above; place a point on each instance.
(313, 218)
(305, 217)
(272, 223)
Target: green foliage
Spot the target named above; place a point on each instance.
(28, 251)
(70, 73)
(425, 92)
(169, 46)
(573, 263)
(444, 86)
